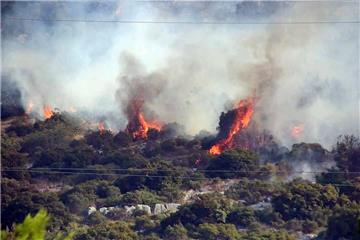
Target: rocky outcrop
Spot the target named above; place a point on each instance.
(167, 207)
(91, 210)
(129, 209)
(158, 209)
(145, 208)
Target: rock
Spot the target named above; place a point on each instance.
(168, 207)
(91, 210)
(129, 210)
(145, 208)
(172, 207)
(159, 208)
(104, 210)
(260, 206)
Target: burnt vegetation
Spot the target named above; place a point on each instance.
(59, 165)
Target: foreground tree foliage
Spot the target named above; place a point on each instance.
(33, 227)
(19, 200)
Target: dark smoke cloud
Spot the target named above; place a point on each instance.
(137, 87)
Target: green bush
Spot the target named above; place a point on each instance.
(242, 216)
(251, 191)
(112, 230)
(209, 208)
(344, 223)
(304, 200)
(218, 231)
(176, 232)
(233, 164)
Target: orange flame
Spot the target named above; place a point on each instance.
(101, 127)
(297, 130)
(144, 126)
(48, 112)
(137, 125)
(29, 107)
(154, 124)
(244, 112)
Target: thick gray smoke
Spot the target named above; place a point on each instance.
(303, 74)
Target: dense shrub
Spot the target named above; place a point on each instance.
(344, 223)
(242, 216)
(304, 200)
(233, 164)
(251, 191)
(209, 208)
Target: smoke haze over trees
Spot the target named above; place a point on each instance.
(302, 73)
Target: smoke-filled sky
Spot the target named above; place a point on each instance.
(303, 74)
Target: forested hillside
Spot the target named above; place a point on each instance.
(106, 185)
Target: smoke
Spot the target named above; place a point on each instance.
(306, 160)
(189, 73)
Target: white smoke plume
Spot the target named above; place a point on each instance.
(302, 73)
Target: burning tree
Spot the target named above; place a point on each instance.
(48, 111)
(231, 123)
(137, 125)
(137, 89)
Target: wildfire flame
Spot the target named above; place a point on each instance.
(138, 126)
(29, 107)
(143, 127)
(101, 127)
(47, 111)
(297, 130)
(244, 111)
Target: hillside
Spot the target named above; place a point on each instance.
(105, 185)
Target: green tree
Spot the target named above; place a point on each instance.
(31, 201)
(100, 140)
(111, 230)
(242, 216)
(33, 227)
(218, 231)
(344, 223)
(95, 218)
(303, 200)
(209, 208)
(12, 158)
(141, 197)
(268, 234)
(251, 191)
(347, 153)
(168, 145)
(122, 139)
(176, 232)
(233, 164)
(144, 223)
